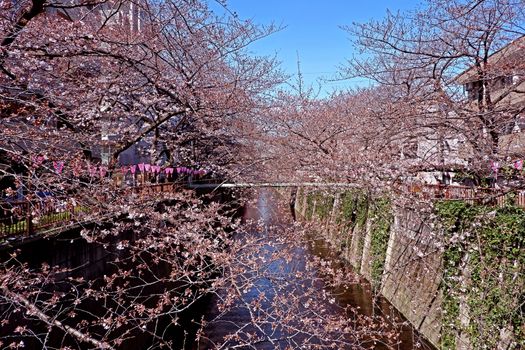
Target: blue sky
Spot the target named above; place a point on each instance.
(312, 31)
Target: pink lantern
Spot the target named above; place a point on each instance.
(59, 166)
(103, 170)
(92, 170)
(141, 167)
(147, 167)
(133, 169)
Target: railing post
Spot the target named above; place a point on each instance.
(71, 208)
(29, 219)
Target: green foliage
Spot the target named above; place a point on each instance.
(382, 218)
(310, 199)
(493, 242)
(453, 215)
(347, 208)
(356, 208)
(324, 206)
(318, 204)
(353, 209)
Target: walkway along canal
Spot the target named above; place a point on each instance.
(289, 290)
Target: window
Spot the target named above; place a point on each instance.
(502, 82)
(474, 90)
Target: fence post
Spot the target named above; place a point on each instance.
(29, 219)
(71, 207)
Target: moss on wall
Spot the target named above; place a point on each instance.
(322, 209)
(490, 242)
(310, 200)
(355, 209)
(483, 262)
(325, 204)
(381, 220)
(352, 211)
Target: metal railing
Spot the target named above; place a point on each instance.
(22, 218)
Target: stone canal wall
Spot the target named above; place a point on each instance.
(432, 266)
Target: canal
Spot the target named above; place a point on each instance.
(289, 290)
(284, 289)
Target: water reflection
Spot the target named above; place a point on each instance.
(360, 295)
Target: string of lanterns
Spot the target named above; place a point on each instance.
(102, 170)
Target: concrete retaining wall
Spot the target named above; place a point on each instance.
(411, 273)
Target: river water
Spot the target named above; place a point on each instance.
(284, 296)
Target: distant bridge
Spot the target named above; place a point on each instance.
(271, 184)
(23, 218)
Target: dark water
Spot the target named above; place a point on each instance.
(273, 219)
(360, 295)
(91, 261)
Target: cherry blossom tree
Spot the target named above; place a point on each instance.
(92, 77)
(428, 56)
(81, 84)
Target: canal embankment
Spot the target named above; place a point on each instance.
(454, 270)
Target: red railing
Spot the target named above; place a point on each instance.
(479, 195)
